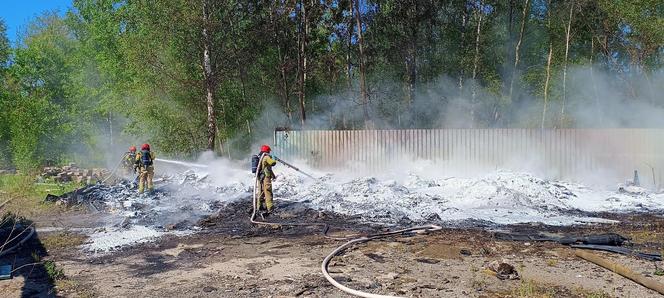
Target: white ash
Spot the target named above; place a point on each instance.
(109, 239)
(500, 197)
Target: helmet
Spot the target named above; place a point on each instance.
(266, 148)
(132, 149)
(145, 147)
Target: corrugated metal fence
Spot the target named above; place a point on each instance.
(557, 153)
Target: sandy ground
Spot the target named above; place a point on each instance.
(285, 262)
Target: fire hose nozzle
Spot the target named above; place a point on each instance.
(293, 167)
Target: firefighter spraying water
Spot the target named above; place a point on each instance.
(261, 166)
(264, 177)
(145, 166)
(128, 161)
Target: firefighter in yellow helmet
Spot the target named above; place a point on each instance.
(129, 160)
(265, 177)
(145, 165)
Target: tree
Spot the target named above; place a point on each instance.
(362, 61)
(39, 119)
(5, 152)
(209, 76)
(201, 75)
(568, 36)
(549, 59)
(517, 48)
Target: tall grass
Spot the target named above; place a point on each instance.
(26, 197)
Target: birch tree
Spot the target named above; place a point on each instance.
(568, 32)
(524, 20)
(549, 58)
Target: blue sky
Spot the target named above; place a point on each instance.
(18, 13)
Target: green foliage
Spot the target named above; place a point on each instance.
(5, 152)
(38, 115)
(114, 71)
(659, 272)
(26, 198)
(25, 185)
(53, 271)
(62, 240)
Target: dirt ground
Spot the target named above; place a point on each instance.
(232, 258)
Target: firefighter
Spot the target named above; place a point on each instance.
(128, 161)
(265, 177)
(145, 164)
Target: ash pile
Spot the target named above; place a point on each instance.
(501, 198)
(177, 203)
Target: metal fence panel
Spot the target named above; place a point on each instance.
(557, 153)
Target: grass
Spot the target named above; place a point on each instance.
(68, 287)
(551, 262)
(27, 197)
(659, 272)
(54, 272)
(533, 289)
(644, 236)
(60, 240)
(592, 294)
(65, 286)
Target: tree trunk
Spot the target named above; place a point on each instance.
(524, 19)
(302, 60)
(464, 20)
(592, 80)
(476, 61)
(567, 39)
(349, 47)
(363, 84)
(548, 64)
(510, 23)
(209, 77)
(510, 37)
(283, 76)
(284, 85)
(110, 128)
(411, 56)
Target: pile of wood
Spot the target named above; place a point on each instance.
(72, 173)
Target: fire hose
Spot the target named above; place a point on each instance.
(293, 167)
(115, 169)
(325, 227)
(340, 249)
(326, 261)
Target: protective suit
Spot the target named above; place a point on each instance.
(265, 177)
(145, 164)
(129, 160)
